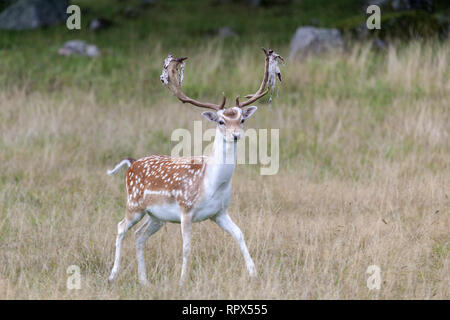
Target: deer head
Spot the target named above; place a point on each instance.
(230, 121)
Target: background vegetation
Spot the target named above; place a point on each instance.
(364, 156)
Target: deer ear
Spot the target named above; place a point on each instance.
(211, 116)
(247, 113)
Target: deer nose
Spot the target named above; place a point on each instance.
(236, 135)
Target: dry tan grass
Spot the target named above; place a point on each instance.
(364, 179)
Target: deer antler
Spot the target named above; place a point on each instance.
(270, 56)
(170, 78)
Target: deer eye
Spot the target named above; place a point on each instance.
(221, 122)
(242, 120)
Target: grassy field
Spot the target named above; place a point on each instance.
(364, 165)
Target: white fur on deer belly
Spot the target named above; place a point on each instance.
(166, 212)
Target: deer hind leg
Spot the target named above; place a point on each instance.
(122, 227)
(224, 221)
(186, 227)
(150, 226)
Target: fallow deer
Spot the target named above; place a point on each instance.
(188, 189)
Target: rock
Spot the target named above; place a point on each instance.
(307, 40)
(100, 24)
(79, 47)
(31, 14)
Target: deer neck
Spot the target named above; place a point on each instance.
(221, 162)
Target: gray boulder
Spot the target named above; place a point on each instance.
(80, 48)
(311, 40)
(31, 14)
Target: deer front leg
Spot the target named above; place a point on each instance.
(224, 221)
(122, 227)
(186, 226)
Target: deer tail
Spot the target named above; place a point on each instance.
(127, 161)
